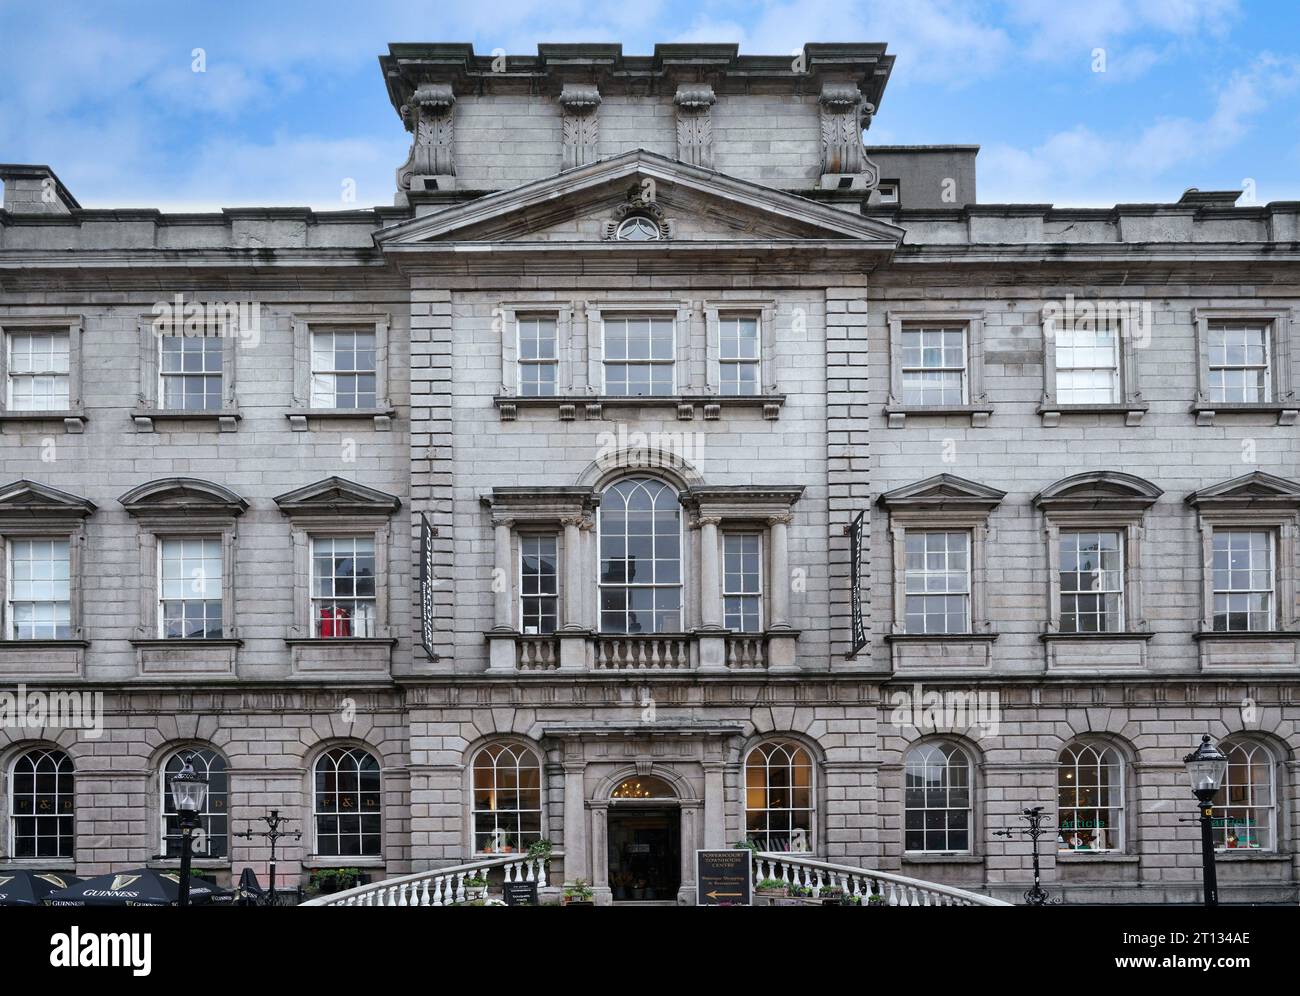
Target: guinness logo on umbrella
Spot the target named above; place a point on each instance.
(122, 881)
(6, 880)
(54, 880)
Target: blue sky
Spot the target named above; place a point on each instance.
(292, 105)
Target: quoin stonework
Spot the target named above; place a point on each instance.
(527, 508)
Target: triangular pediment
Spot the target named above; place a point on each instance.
(1099, 489)
(182, 494)
(944, 491)
(690, 205)
(29, 498)
(1254, 489)
(337, 496)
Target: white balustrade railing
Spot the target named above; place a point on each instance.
(439, 886)
(894, 890)
(644, 652)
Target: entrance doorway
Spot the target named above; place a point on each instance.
(645, 853)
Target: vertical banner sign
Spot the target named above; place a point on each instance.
(724, 878)
(426, 584)
(855, 582)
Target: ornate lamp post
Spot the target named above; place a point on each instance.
(1034, 817)
(189, 792)
(1206, 767)
(272, 833)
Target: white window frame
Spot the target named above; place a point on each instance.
(963, 371)
(316, 814)
(672, 362)
(521, 363)
(72, 326)
(12, 377)
(967, 594)
(13, 816)
(517, 751)
(974, 403)
(1283, 358)
(1122, 544)
(759, 594)
(303, 409)
(523, 537)
(1120, 810)
(162, 540)
(1272, 591)
(680, 585)
(792, 748)
(335, 372)
(221, 373)
(952, 748)
(165, 800)
(725, 362)
(1221, 801)
(373, 625)
(10, 623)
(1114, 369)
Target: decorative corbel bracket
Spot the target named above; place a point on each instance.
(695, 123)
(428, 117)
(579, 127)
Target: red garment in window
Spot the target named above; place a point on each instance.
(335, 622)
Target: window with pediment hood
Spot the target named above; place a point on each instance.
(42, 536)
(341, 533)
(1093, 525)
(1248, 544)
(187, 533)
(939, 529)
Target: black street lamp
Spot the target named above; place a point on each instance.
(1206, 767)
(189, 792)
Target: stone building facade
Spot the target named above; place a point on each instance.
(529, 507)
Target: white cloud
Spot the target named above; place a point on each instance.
(1081, 166)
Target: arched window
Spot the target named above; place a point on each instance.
(638, 228)
(347, 803)
(937, 798)
(1090, 798)
(779, 797)
(507, 798)
(41, 805)
(215, 816)
(640, 558)
(1245, 808)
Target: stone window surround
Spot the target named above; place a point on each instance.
(467, 783)
(74, 418)
(580, 379)
(944, 513)
(974, 852)
(184, 525)
(149, 398)
(1282, 360)
(47, 513)
(1130, 405)
(311, 857)
(573, 513)
(1065, 510)
(977, 405)
(9, 756)
(305, 528)
(819, 788)
(1128, 812)
(154, 799)
(301, 412)
(1282, 526)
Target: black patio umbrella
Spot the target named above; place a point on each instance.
(29, 888)
(138, 887)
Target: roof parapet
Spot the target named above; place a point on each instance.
(34, 189)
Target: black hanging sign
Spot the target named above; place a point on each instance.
(427, 533)
(855, 581)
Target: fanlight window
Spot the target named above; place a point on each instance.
(638, 228)
(1244, 808)
(637, 787)
(348, 803)
(41, 805)
(779, 797)
(1090, 798)
(507, 799)
(215, 816)
(640, 558)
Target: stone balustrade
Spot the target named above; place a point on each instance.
(439, 886)
(895, 890)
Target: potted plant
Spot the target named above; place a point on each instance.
(875, 899)
(324, 881)
(832, 895)
(476, 886)
(798, 895)
(768, 891)
(578, 894)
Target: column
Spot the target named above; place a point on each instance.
(573, 580)
(501, 640)
(715, 830)
(575, 823)
(600, 853)
(710, 575)
(780, 571)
